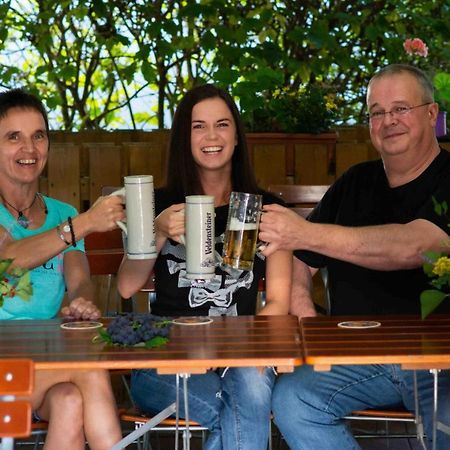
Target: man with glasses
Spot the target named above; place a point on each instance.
(370, 232)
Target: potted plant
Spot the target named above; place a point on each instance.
(310, 109)
(441, 83)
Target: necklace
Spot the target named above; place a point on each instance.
(22, 220)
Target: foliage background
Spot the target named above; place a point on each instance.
(125, 64)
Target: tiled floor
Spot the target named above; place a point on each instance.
(162, 442)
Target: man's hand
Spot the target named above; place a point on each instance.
(278, 229)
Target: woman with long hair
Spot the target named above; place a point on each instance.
(208, 156)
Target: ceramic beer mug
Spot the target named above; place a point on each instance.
(140, 208)
(241, 234)
(199, 237)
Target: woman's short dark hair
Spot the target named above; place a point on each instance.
(182, 174)
(18, 98)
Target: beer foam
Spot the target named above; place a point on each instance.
(236, 225)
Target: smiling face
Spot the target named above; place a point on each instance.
(23, 146)
(410, 133)
(213, 135)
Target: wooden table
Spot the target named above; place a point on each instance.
(245, 341)
(406, 340)
(228, 341)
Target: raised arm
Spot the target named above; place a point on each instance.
(33, 251)
(133, 274)
(379, 247)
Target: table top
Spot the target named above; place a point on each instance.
(227, 341)
(407, 340)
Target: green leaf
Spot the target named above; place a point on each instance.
(226, 76)
(104, 335)
(430, 300)
(24, 288)
(148, 72)
(4, 265)
(441, 83)
(157, 341)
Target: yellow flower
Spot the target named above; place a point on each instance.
(442, 266)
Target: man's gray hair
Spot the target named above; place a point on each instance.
(419, 75)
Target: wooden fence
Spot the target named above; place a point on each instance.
(81, 163)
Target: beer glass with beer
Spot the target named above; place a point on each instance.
(241, 234)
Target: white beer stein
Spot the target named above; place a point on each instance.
(140, 209)
(199, 238)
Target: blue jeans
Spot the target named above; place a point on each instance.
(308, 406)
(235, 407)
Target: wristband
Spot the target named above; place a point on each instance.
(61, 235)
(72, 233)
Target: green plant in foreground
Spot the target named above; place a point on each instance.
(437, 267)
(14, 282)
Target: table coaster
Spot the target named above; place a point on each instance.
(81, 325)
(192, 320)
(359, 324)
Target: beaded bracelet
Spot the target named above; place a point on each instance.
(61, 235)
(72, 233)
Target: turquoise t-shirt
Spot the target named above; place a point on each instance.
(47, 279)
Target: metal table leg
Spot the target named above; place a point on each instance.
(435, 373)
(7, 443)
(418, 417)
(130, 438)
(186, 433)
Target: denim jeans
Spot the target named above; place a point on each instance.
(235, 407)
(308, 406)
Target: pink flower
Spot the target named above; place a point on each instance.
(415, 47)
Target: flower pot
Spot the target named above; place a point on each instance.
(441, 124)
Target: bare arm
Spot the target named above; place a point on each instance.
(35, 250)
(133, 274)
(302, 304)
(381, 247)
(80, 289)
(278, 283)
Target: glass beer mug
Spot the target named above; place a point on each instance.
(241, 234)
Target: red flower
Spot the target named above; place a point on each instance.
(415, 47)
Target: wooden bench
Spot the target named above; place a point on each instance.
(16, 380)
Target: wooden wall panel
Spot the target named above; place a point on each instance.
(106, 167)
(146, 158)
(312, 164)
(351, 153)
(63, 172)
(269, 164)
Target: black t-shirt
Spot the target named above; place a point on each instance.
(363, 197)
(231, 292)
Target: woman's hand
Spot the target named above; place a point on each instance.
(170, 222)
(105, 212)
(82, 309)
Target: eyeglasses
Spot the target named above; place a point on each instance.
(398, 111)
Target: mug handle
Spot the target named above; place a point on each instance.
(182, 236)
(119, 223)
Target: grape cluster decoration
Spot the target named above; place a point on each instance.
(132, 329)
